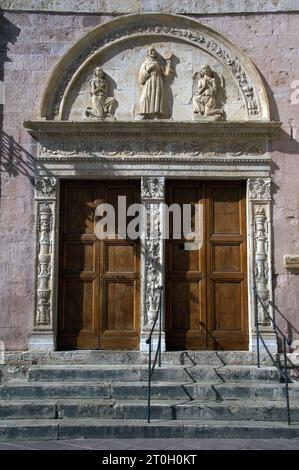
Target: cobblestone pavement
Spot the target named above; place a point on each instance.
(154, 444)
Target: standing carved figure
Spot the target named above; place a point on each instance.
(101, 103)
(153, 101)
(205, 99)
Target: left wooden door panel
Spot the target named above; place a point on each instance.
(98, 279)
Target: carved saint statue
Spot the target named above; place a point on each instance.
(101, 104)
(205, 100)
(153, 101)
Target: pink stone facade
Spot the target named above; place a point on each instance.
(32, 43)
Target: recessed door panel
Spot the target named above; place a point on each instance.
(98, 278)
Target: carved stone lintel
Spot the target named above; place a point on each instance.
(45, 185)
(152, 187)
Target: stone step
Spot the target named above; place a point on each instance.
(15, 389)
(126, 390)
(100, 357)
(97, 373)
(137, 410)
(108, 373)
(50, 429)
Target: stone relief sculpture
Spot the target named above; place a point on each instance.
(152, 75)
(102, 105)
(206, 98)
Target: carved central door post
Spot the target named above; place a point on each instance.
(260, 256)
(42, 337)
(152, 257)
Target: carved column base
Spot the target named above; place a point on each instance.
(270, 340)
(155, 338)
(42, 341)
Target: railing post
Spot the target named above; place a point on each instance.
(149, 382)
(160, 324)
(286, 379)
(257, 331)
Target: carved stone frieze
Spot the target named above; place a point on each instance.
(104, 148)
(44, 263)
(202, 40)
(46, 186)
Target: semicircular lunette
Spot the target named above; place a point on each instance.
(120, 47)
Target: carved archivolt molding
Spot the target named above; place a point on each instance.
(156, 27)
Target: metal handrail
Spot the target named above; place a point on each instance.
(283, 371)
(151, 367)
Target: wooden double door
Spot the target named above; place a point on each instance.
(99, 279)
(206, 289)
(98, 304)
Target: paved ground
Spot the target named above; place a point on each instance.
(155, 444)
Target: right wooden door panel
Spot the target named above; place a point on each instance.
(227, 314)
(206, 289)
(186, 283)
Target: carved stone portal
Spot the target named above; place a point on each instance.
(207, 100)
(102, 105)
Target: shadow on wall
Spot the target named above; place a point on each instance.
(8, 33)
(14, 159)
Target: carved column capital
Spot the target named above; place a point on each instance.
(153, 187)
(259, 189)
(45, 186)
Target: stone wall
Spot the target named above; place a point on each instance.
(32, 43)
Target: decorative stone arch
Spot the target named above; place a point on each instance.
(73, 147)
(154, 27)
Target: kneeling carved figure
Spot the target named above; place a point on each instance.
(102, 105)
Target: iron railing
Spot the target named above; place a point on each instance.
(283, 370)
(151, 366)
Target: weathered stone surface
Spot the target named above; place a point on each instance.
(134, 6)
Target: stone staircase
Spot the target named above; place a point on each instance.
(104, 394)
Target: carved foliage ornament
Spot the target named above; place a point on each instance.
(45, 185)
(152, 187)
(206, 43)
(152, 148)
(260, 189)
